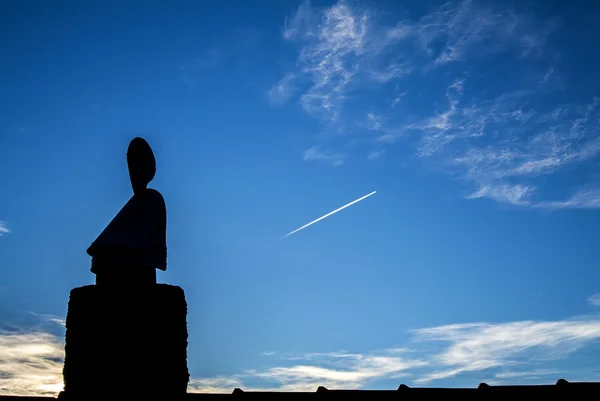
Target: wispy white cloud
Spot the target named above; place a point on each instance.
(317, 153)
(535, 143)
(299, 25)
(217, 385)
(547, 75)
(30, 363)
(334, 370)
(374, 122)
(504, 193)
(500, 141)
(337, 37)
(502, 353)
(391, 72)
(339, 47)
(338, 370)
(398, 99)
(4, 228)
(482, 346)
(534, 374)
(588, 199)
(282, 90)
(469, 28)
(49, 318)
(343, 45)
(594, 299)
(375, 154)
(499, 353)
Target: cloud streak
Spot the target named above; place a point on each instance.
(594, 300)
(282, 90)
(4, 228)
(483, 346)
(30, 363)
(334, 370)
(517, 352)
(317, 153)
(506, 143)
(328, 214)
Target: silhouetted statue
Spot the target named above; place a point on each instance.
(126, 336)
(133, 245)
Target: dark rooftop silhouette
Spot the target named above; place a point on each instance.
(562, 390)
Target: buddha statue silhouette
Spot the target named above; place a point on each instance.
(133, 245)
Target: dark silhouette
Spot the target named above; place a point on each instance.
(126, 336)
(133, 245)
(562, 390)
(141, 164)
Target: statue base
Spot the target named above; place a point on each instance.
(126, 341)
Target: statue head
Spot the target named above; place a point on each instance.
(141, 164)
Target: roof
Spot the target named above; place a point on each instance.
(561, 390)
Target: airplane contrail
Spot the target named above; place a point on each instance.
(328, 214)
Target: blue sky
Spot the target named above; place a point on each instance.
(475, 121)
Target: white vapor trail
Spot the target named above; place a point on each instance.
(329, 214)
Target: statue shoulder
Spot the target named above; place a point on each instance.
(152, 196)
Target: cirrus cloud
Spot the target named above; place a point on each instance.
(507, 143)
(517, 352)
(3, 228)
